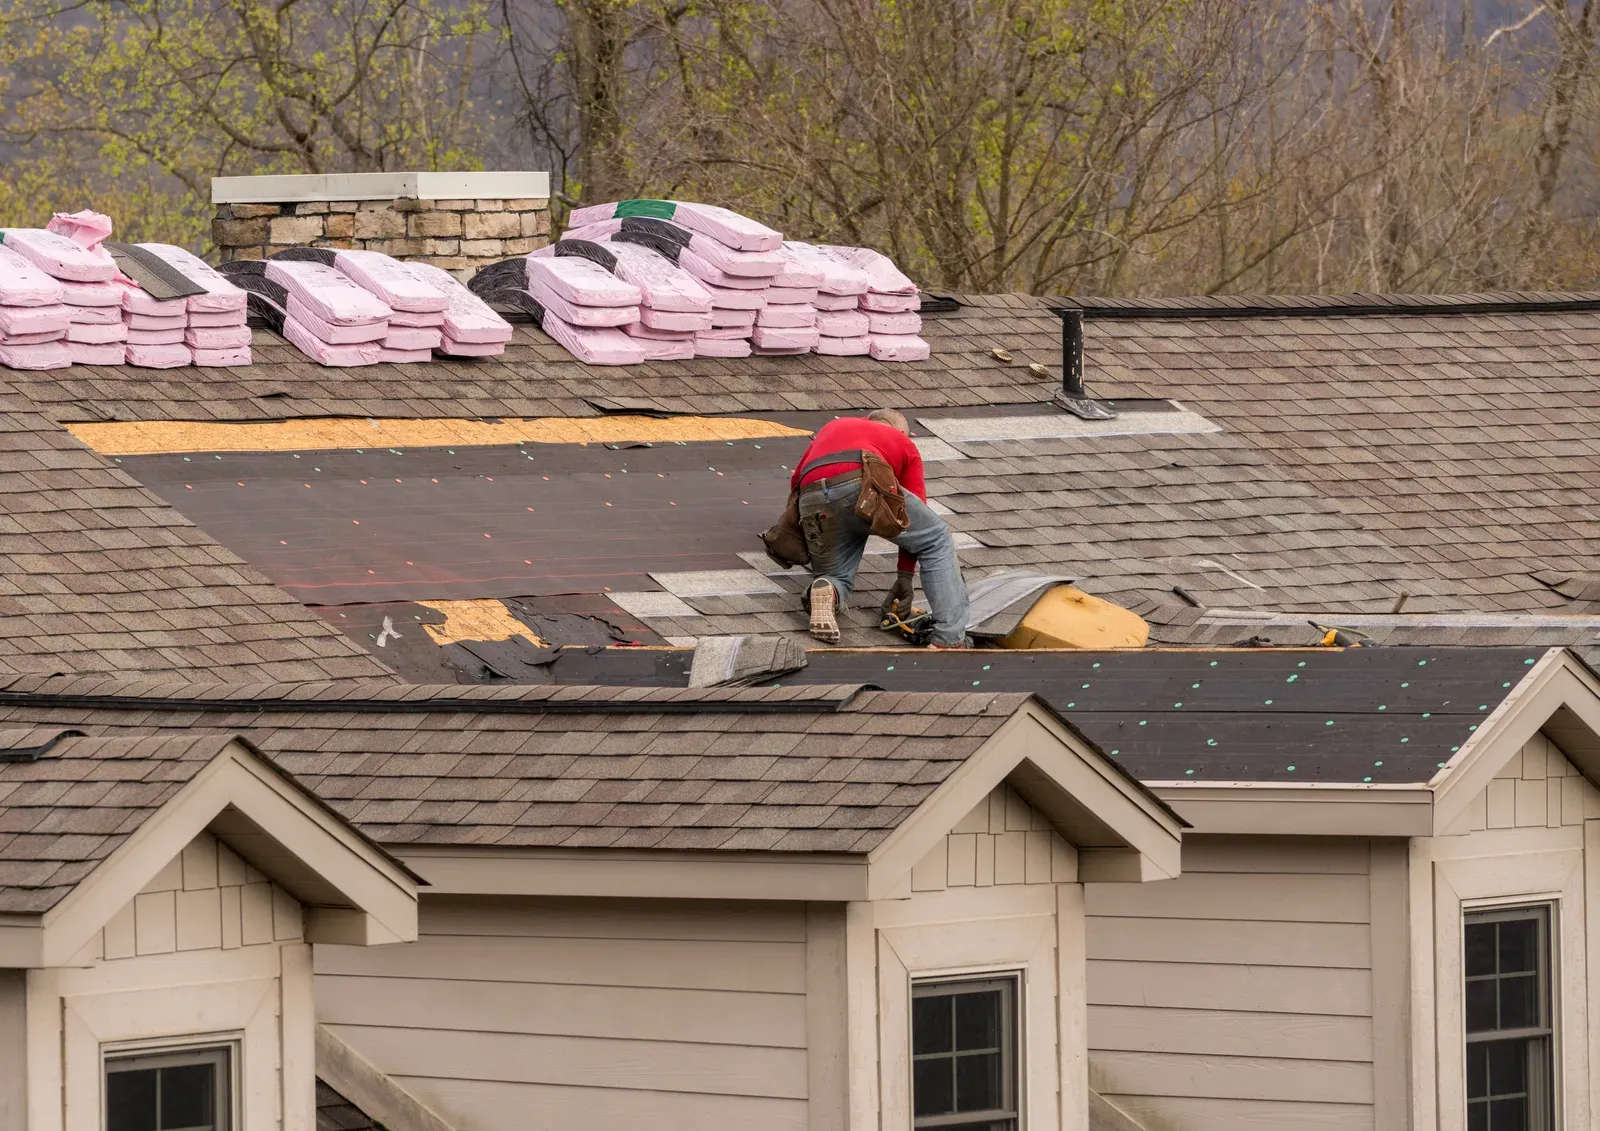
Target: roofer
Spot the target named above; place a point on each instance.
(862, 476)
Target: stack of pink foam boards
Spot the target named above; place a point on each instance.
(213, 322)
(33, 315)
(85, 277)
(712, 283)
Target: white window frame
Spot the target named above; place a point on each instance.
(228, 1044)
(1544, 914)
(1463, 884)
(1010, 1057)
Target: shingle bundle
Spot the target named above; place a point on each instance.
(578, 302)
(471, 327)
(891, 303)
(215, 332)
(414, 324)
(33, 315)
(767, 297)
(321, 312)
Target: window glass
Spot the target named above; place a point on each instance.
(168, 1091)
(964, 1054)
(1506, 960)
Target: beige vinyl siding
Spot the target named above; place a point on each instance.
(1240, 994)
(534, 1014)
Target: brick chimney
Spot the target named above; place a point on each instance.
(457, 221)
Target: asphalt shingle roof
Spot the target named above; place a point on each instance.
(813, 769)
(61, 815)
(98, 574)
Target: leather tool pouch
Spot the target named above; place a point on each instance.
(785, 543)
(882, 504)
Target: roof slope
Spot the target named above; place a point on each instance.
(1361, 448)
(97, 575)
(62, 815)
(815, 769)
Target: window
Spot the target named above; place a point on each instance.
(169, 1091)
(964, 1054)
(1509, 1054)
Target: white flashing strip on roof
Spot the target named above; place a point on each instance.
(1062, 426)
(716, 583)
(935, 450)
(1256, 619)
(645, 603)
(379, 186)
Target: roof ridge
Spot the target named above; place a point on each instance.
(1344, 305)
(373, 697)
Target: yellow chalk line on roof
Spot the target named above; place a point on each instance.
(482, 619)
(162, 437)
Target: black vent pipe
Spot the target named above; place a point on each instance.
(1072, 352)
(1073, 397)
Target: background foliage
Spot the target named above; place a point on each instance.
(1051, 146)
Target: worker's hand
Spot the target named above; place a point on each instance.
(898, 602)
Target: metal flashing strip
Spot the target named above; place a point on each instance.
(1064, 426)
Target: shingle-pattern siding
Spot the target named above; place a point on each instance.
(823, 779)
(99, 575)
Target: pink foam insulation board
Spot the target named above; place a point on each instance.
(582, 282)
(229, 358)
(47, 355)
(335, 335)
(898, 347)
(468, 320)
(324, 353)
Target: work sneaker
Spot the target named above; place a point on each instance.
(824, 616)
(966, 644)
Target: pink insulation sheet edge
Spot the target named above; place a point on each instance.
(97, 353)
(721, 347)
(802, 316)
(34, 319)
(89, 334)
(843, 347)
(579, 314)
(663, 285)
(217, 337)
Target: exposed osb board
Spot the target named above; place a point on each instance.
(476, 620)
(122, 438)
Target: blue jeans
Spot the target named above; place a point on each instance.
(836, 537)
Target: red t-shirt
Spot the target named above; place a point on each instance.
(851, 434)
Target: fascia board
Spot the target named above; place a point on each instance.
(1263, 809)
(1034, 743)
(235, 777)
(639, 875)
(1557, 681)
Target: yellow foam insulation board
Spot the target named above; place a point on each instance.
(139, 438)
(485, 619)
(1067, 617)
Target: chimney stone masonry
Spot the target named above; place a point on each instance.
(457, 221)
